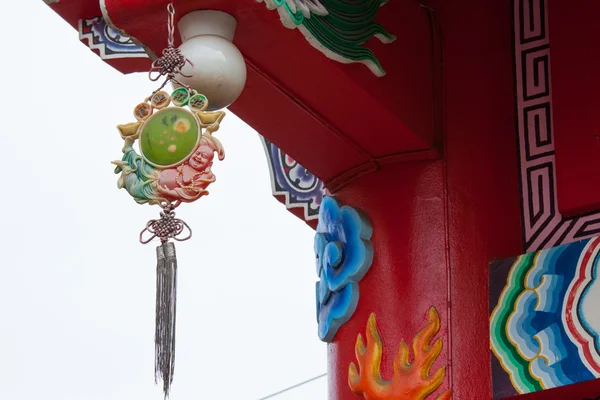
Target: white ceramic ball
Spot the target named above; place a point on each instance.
(219, 69)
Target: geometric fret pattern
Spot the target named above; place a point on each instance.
(543, 226)
(107, 41)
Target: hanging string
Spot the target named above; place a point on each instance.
(171, 24)
(172, 61)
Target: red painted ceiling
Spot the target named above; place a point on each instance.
(575, 63)
(338, 120)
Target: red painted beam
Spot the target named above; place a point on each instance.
(352, 122)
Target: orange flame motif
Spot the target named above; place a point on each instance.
(411, 380)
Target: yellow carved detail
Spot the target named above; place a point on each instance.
(129, 130)
(211, 120)
(411, 380)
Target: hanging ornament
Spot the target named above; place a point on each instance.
(174, 134)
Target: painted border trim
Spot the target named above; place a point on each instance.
(542, 224)
(97, 34)
(308, 199)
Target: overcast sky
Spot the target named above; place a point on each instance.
(77, 298)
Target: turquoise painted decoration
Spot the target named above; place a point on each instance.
(337, 28)
(544, 325)
(344, 254)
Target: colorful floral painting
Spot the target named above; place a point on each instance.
(545, 324)
(344, 254)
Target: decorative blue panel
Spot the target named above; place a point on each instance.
(293, 184)
(109, 42)
(344, 254)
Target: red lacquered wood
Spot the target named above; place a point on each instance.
(437, 225)
(409, 271)
(575, 64)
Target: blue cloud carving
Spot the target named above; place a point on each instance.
(344, 254)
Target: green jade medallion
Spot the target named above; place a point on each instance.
(169, 137)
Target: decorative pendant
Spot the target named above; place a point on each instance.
(174, 133)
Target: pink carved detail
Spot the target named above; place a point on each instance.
(188, 182)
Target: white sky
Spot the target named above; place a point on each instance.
(77, 297)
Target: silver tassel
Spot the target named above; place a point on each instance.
(165, 228)
(166, 311)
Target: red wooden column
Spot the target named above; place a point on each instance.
(481, 164)
(438, 224)
(409, 275)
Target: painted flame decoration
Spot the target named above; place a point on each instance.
(411, 380)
